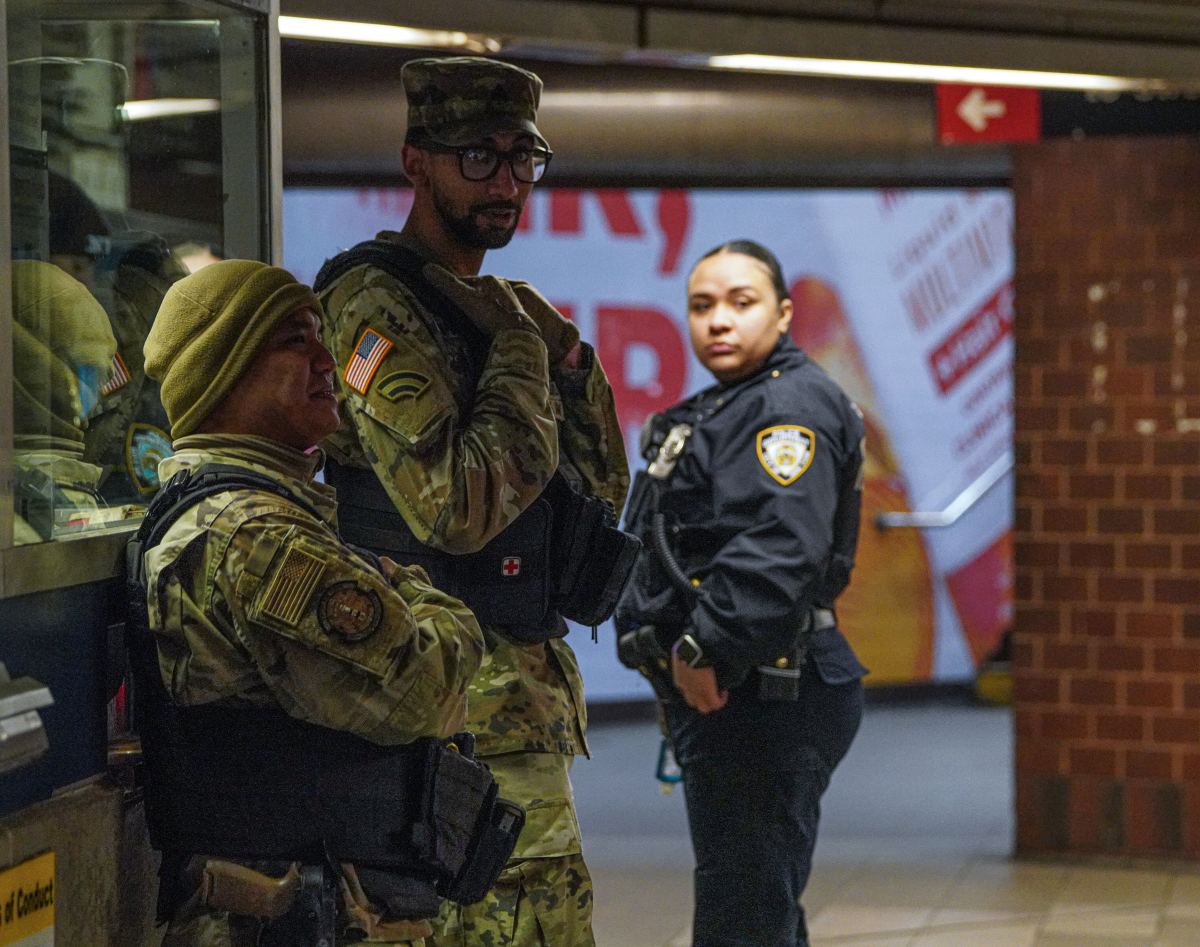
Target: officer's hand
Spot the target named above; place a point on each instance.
(698, 686)
(561, 336)
(488, 302)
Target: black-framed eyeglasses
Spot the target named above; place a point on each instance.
(481, 162)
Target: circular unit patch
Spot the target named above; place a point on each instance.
(348, 611)
(145, 446)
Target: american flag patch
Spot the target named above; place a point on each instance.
(292, 586)
(118, 376)
(368, 354)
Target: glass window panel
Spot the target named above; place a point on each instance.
(137, 152)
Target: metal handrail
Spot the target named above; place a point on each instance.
(957, 507)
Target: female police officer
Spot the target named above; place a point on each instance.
(749, 511)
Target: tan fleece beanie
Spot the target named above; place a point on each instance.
(209, 328)
(59, 327)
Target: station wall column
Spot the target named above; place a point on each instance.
(1107, 555)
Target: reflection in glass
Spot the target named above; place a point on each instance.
(127, 137)
(63, 346)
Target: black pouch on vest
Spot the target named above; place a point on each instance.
(508, 581)
(495, 840)
(467, 832)
(592, 558)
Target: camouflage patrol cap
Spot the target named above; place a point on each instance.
(460, 99)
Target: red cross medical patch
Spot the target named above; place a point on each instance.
(510, 567)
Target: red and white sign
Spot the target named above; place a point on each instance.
(968, 113)
(903, 296)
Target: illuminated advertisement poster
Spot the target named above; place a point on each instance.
(904, 296)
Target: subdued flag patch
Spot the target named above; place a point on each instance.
(364, 363)
(785, 451)
(118, 376)
(292, 586)
(399, 385)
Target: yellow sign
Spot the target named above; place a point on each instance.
(27, 903)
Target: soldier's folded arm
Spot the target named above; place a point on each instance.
(590, 432)
(457, 480)
(340, 645)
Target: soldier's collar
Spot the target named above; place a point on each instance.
(259, 451)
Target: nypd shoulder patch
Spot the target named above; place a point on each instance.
(785, 451)
(145, 446)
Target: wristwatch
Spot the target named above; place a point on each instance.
(688, 650)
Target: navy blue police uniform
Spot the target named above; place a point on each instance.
(750, 511)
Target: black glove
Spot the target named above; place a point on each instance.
(488, 302)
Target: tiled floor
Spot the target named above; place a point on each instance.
(914, 849)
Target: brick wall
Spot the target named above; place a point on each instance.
(1107, 552)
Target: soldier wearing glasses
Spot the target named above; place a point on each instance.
(462, 397)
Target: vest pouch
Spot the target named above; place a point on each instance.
(467, 832)
(496, 839)
(507, 582)
(592, 558)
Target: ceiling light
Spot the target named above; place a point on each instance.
(917, 72)
(381, 34)
(141, 110)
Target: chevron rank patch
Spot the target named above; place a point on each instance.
(785, 451)
(364, 363)
(399, 385)
(292, 586)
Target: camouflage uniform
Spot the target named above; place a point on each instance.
(57, 472)
(458, 479)
(224, 632)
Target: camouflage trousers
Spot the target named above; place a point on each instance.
(544, 895)
(538, 902)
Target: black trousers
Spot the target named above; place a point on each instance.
(753, 774)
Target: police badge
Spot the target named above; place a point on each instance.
(785, 451)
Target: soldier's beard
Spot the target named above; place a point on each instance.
(472, 234)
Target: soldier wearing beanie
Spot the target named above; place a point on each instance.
(255, 603)
(462, 396)
(63, 345)
(128, 434)
(128, 272)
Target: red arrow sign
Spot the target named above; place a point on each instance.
(988, 113)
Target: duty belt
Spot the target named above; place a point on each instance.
(781, 680)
